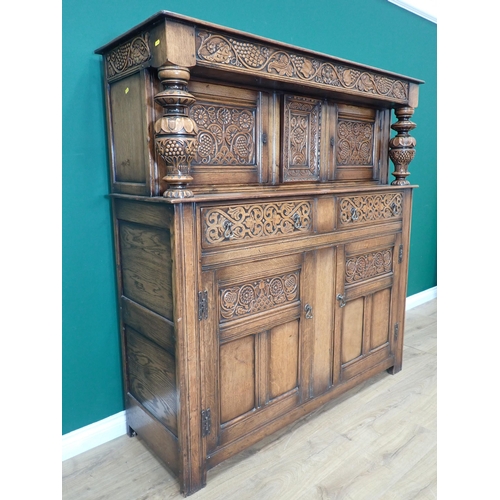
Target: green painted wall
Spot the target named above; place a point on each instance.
(373, 32)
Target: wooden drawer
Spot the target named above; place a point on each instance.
(357, 210)
(255, 222)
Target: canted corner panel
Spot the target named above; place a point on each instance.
(254, 222)
(230, 123)
(254, 296)
(368, 265)
(364, 209)
(301, 139)
(226, 134)
(355, 143)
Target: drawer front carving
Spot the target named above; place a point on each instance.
(370, 208)
(368, 265)
(255, 221)
(260, 295)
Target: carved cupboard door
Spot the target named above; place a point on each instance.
(366, 304)
(254, 334)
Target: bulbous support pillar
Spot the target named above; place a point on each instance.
(402, 146)
(175, 132)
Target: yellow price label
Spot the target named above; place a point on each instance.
(127, 90)
(157, 43)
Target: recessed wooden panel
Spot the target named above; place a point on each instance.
(147, 266)
(231, 123)
(352, 330)
(356, 143)
(380, 318)
(237, 377)
(283, 358)
(127, 122)
(151, 372)
(301, 139)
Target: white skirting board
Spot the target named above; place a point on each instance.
(105, 430)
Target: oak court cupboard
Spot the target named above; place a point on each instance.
(261, 235)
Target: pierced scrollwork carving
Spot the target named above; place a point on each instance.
(259, 295)
(359, 209)
(368, 265)
(128, 56)
(249, 222)
(226, 134)
(257, 58)
(355, 143)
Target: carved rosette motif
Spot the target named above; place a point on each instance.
(259, 295)
(128, 56)
(224, 50)
(369, 265)
(301, 141)
(402, 146)
(226, 134)
(355, 143)
(249, 222)
(358, 209)
(175, 131)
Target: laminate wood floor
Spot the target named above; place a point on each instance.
(377, 441)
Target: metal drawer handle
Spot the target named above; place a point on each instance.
(354, 214)
(228, 230)
(341, 300)
(297, 221)
(308, 310)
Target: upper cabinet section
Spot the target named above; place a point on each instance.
(194, 108)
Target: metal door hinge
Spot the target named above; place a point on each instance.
(206, 422)
(202, 305)
(396, 332)
(400, 258)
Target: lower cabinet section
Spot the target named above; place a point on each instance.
(227, 342)
(281, 332)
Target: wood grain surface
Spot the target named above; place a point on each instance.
(377, 441)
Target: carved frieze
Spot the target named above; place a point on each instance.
(226, 134)
(301, 138)
(258, 58)
(128, 56)
(368, 265)
(354, 143)
(258, 295)
(254, 221)
(358, 209)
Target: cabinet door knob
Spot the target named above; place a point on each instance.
(341, 300)
(308, 309)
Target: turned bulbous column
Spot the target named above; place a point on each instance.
(402, 146)
(175, 132)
